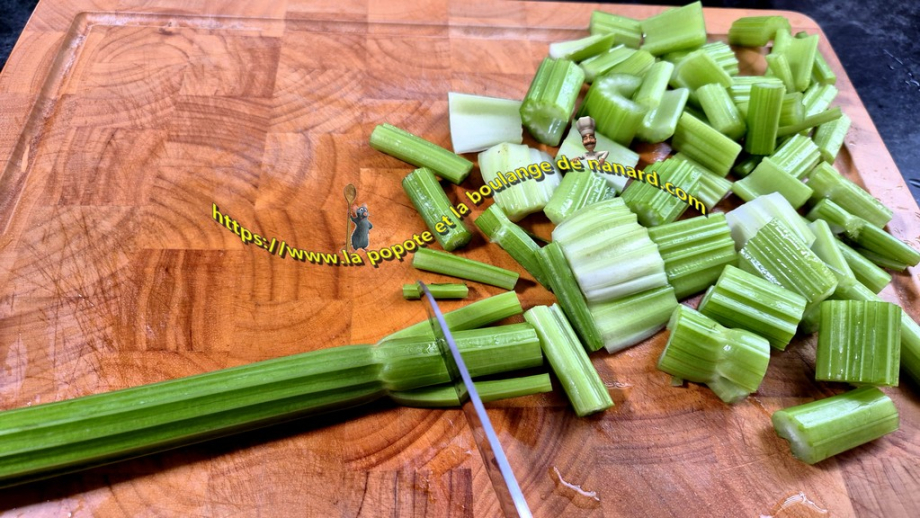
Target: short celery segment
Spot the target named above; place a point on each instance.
(550, 100)
(463, 268)
(419, 152)
(432, 204)
(859, 342)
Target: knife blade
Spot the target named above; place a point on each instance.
(505, 484)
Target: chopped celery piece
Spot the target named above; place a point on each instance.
(660, 122)
(810, 121)
(471, 316)
(432, 204)
(712, 187)
(829, 137)
(627, 321)
(825, 247)
(723, 55)
(654, 85)
(516, 175)
(694, 251)
(463, 268)
(706, 145)
(859, 342)
(881, 260)
(551, 98)
(674, 29)
(588, 221)
(656, 206)
(763, 118)
(600, 64)
(636, 64)
(625, 30)
(822, 72)
(827, 182)
(569, 295)
(439, 291)
(740, 90)
(732, 362)
(614, 115)
(796, 156)
(747, 219)
(778, 66)
(866, 271)
(573, 147)
(910, 347)
(512, 238)
(756, 31)
(864, 233)
(569, 361)
(768, 178)
(721, 111)
(775, 254)
(445, 396)
(581, 49)
(800, 52)
(793, 110)
(746, 165)
(698, 69)
(829, 426)
(745, 301)
(478, 123)
(577, 190)
(419, 152)
(818, 98)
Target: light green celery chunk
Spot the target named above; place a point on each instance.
(551, 98)
(756, 31)
(721, 112)
(859, 342)
(636, 64)
(630, 320)
(740, 90)
(698, 69)
(522, 178)
(570, 297)
(829, 137)
(654, 84)
(778, 66)
(705, 144)
(432, 204)
(769, 178)
(572, 147)
(822, 72)
(864, 233)
(660, 122)
(569, 361)
(746, 220)
(674, 29)
(775, 254)
(438, 291)
(827, 182)
(800, 52)
(600, 64)
(745, 301)
(695, 251)
(825, 247)
(625, 30)
(818, 98)
(657, 206)
(419, 152)
(723, 54)
(732, 362)
(866, 271)
(746, 165)
(478, 123)
(514, 240)
(445, 396)
(614, 115)
(478, 314)
(796, 156)
(793, 110)
(463, 268)
(711, 188)
(833, 425)
(577, 190)
(763, 118)
(581, 49)
(588, 221)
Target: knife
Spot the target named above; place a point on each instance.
(503, 480)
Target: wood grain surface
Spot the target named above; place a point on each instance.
(123, 121)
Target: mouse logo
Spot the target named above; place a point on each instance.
(360, 236)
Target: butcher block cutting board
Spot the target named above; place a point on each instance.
(126, 122)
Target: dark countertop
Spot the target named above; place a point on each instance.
(875, 40)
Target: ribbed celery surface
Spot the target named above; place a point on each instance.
(600, 64)
(705, 144)
(800, 53)
(721, 111)
(627, 321)
(654, 84)
(439, 291)
(827, 182)
(747, 219)
(732, 362)
(746, 301)
(865, 270)
(581, 49)
(821, 73)
(569, 361)
(859, 342)
(756, 31)
(445, 396)
(463, 268)
(768, 178)
(675, 29)
(740, 90)
(478, 123)
(657, 206)
(698, 69)
(625, 30)
(577, 190)
(660, 122)
(818, 98)
(864, 233)
(829, 137)
(779, 257)
(810, 121)
(419, 152)
(778, 66)
(550, 99)
(829, 426)
(763, 118)
(825, 247)
(797, 156)
(569, 296)
(525, 193)
(883, 261)
(615, 116)
(432, 204)
(793, 110)
(711, 188)
(514, 240)
(636, 64)
(695, 251)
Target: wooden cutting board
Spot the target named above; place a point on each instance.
(124, 121)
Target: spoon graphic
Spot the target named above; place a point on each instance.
(350, 194)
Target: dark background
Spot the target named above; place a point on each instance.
(876, 40)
